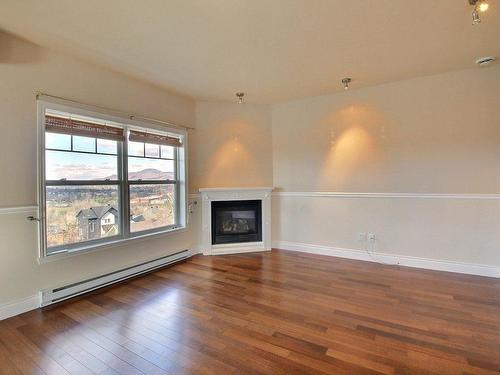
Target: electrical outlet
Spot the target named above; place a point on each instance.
(362, 237)
(372, 237)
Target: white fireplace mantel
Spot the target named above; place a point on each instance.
(209, 195)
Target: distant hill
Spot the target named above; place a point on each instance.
(147, 174)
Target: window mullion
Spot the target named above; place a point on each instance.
(125, 191)
(81, 182)
(176, 187)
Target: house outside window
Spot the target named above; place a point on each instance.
(104, 179)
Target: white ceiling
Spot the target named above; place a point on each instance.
(273, 50)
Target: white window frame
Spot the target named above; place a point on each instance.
(181, 186)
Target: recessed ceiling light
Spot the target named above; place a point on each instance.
(484, 61)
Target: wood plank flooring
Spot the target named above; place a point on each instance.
(270, 313)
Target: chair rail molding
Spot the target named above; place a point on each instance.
(17, 209)
(335, 194)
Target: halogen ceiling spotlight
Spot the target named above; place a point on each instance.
(345, 83)
(479, 6)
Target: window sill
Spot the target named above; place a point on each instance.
(102, 246)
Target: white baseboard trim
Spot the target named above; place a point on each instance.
(236, 251)
(195, 250)
(393, 259)
(20, 306)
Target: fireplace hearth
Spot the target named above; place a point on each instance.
(236, 221)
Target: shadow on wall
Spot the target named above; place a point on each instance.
(353, 142)
(11, 53)
(233, 162)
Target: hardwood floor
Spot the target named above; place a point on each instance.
(273, 313)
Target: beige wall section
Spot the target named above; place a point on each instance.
(24, 69)
(458, 230)
(438, 134)
(231, 146)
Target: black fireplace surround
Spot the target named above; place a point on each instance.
(236, 221)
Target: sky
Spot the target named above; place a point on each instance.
(81, 166)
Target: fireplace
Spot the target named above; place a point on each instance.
(246, 213)
(236, 221)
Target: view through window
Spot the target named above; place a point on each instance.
(151, 171)
(86, 191)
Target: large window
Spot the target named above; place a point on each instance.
(105, 180)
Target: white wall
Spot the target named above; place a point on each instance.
(463, 230)
(437, 134)
(24, 69)
(231, 146)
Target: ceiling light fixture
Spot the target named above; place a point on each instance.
(240, 96)
(345, 82)
(479, 6)
(483, 7)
